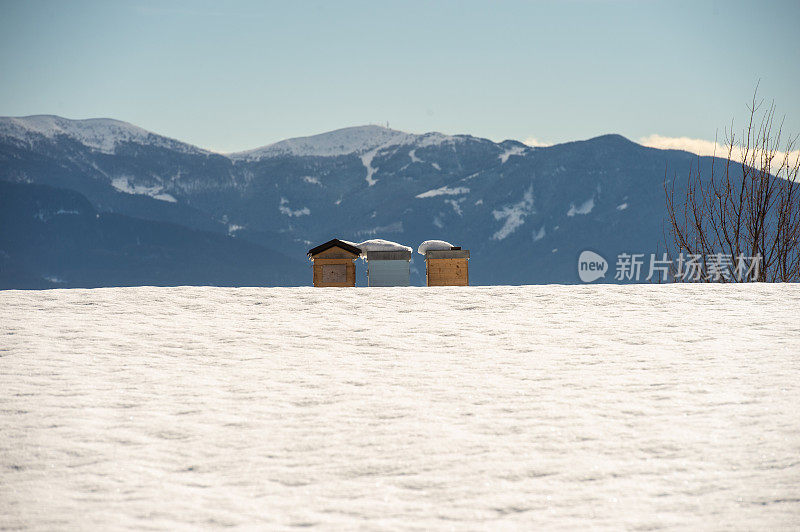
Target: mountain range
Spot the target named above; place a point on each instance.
(101, 202)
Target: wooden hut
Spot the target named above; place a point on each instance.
(388, 268)
(447, 267)
(334, 263)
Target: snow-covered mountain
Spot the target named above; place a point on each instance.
(526, 213)
(100, 134)
(351, 140)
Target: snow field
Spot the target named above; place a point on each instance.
(557, 407)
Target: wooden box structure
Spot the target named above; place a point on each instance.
(388, 268)
(334, 263)
(447, 267)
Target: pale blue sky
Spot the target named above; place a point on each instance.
(236, 75)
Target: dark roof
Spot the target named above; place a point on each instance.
(334, 243)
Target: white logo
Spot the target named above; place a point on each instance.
(591, 266)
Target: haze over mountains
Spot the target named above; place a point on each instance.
(105, 203)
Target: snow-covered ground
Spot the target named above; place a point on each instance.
(558, 407)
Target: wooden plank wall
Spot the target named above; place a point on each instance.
(347, 262)
(335, 255)
(448, 272)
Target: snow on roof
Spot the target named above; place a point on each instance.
(434, 245)
(354, 244)
(378, 244)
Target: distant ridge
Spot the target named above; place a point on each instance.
(525, 213)
(105, 134)
(357, 139)
(101, 134)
